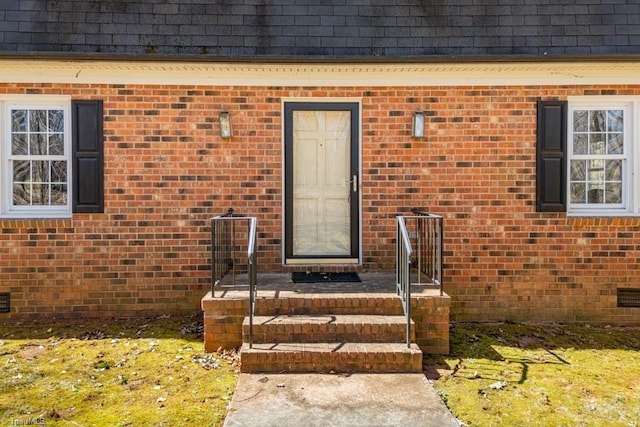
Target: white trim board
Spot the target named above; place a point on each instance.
(325, 75)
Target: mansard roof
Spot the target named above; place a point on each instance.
(322, 28)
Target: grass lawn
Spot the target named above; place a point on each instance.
(154, 372)
(145, 372)
(541, 375)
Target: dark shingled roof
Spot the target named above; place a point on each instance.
(328, 28)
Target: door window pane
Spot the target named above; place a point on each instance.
(321, 183)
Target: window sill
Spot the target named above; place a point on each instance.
(603, 214)
(30, 216)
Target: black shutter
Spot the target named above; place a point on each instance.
(87, 146)
(551, 178)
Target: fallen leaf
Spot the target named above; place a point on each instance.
(101, 366)
(61, 413)
(498, 385)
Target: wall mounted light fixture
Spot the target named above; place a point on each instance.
(225, 124)
(417, 125)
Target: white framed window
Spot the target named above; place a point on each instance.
(602, 147)
(35, 151)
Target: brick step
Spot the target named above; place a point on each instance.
(328, 328)
(331, 357)
(299, 304)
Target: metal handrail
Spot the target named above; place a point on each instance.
(252, 256)
(427, 255)
(403, 272)
(223, 243)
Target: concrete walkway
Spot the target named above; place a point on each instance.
(369, 400)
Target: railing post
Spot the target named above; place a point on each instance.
(420, 250)
(398, 256)
(213, 258)
(408, 298)
(440, 252)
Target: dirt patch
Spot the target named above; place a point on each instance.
(435, 371)
(32, 351)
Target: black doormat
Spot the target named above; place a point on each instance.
(302, 277)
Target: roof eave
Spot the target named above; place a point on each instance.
(313, 59)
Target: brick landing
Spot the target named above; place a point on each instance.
(224, 314)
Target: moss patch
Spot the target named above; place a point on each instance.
(118, 373)
(524, 375)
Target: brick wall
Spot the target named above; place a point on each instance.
(167, 171)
